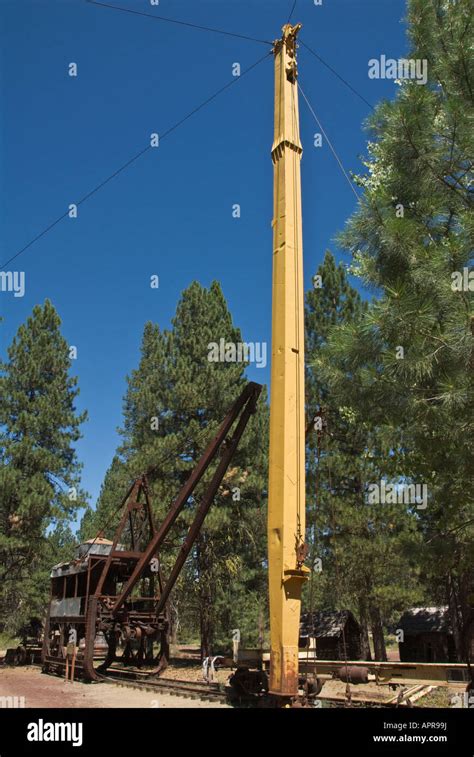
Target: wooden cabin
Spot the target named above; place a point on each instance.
(427, 635)
(333, 634)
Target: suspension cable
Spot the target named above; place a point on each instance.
(341, 78)
(332, 148)
(180, 23)
(136, 157)
(291, 12)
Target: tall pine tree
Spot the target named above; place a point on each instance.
(412, 241)
(175, 401)
(39, 471)
(362, 548)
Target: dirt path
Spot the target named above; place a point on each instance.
(41, 690)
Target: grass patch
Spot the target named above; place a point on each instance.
(7, 641)
(437, 698)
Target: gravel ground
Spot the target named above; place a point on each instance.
(40, 690)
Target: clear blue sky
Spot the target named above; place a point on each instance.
(170, 213)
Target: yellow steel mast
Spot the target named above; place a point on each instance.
(286, 499)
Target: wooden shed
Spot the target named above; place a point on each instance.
(329, 632)
(427, 635)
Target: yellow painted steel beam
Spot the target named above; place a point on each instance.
(440, 673)
(286, 498)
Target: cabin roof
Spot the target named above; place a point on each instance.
(419, 620)
(325, 623)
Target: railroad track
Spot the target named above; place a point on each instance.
(211, 692)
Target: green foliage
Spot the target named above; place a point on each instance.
(39, 471)
(391, 380)
(407, 364)
(175, 401)
(363, 548)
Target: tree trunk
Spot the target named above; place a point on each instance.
(467, 614)
(206, 628)
(461, 615)
(206, 622)
(454, 616)
(365, 653)
(174, 622)
(380, 653)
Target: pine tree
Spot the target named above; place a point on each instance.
(39, 471)
(362, 548)
(104, 518)
(412, 242)
(175, 401)
(33, 588)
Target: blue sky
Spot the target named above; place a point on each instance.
(170, 212)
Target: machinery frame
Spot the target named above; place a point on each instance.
(117, 588)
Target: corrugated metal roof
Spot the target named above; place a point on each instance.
(425, 620)
(90, 548)
(98, 540)
(324, 623)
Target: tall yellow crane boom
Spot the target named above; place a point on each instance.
(286, 497)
